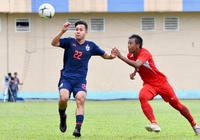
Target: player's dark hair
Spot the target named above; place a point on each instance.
(138, 39)
(82, 22)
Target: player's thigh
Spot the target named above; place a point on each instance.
(167, 92)
(65, 88)
(81, 96)
(147, 92)
(79, 88)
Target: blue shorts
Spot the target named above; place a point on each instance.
(73, 86)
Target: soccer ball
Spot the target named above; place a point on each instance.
(46, 11)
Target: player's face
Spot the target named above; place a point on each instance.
(132, 46)
(80, 32)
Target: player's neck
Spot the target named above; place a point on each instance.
(81, 41)
(136, 52)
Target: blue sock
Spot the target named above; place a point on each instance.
(79, 120)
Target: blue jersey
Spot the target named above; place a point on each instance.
(76, 57)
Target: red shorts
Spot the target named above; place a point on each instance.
(165, 91)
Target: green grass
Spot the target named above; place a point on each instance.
(104, 120)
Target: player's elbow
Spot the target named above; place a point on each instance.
(138, 64)
(105, 56)
(134, 65)
(137, 67)
(54, 44)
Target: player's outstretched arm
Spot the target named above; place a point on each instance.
(107, 56)
(111, 56)
(136, 64)
(56, 41)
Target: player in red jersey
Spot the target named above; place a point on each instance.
(154, 83)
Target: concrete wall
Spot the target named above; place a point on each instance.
(176, 53)
(15, 6)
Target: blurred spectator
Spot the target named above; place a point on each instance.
(15, 87)
(10, 92)
(6, 84)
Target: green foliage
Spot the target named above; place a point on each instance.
(104, 120)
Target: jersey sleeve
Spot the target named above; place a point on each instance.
(144, 56)
(97, 50)
(65, 42)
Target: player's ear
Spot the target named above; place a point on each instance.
(138, 46)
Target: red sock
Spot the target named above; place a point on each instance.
(148, 112)
(184, 111)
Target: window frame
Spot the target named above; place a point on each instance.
(141, 25)
(103, 30)
(164, 24)
(23, 30)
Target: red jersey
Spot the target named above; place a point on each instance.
(148, 71)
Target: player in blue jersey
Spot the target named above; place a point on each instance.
(77, 53)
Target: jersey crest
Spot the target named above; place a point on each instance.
(87, 47)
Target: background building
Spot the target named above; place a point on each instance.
(170, 29)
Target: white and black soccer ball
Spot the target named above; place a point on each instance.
(46, 11)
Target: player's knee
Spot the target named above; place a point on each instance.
(143, 98)
(80, 104)
(80, 100)
(176, 104)
(64, 96)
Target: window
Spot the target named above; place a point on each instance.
(148, 24)
(171, 24)
(72, 21)
(22, 25)
(97, 24)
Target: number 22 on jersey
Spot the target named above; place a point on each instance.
(78, 54)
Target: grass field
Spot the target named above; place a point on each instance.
(104, 120)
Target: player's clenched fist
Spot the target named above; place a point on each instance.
(65, 27)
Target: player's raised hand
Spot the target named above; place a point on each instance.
(116, 52)
(112, 54)
(65, 27)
